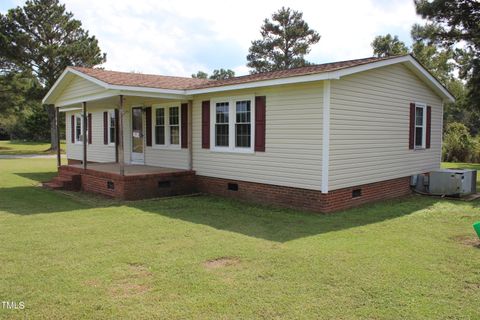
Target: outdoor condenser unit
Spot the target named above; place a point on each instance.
(452, 182)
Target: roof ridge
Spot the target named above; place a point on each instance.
(246, 75)
(138, 73)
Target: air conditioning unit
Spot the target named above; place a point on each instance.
(452, 182)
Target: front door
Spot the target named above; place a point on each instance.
(137, 136)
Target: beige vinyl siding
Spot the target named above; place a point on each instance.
(77, 88)
(369, 127)
(168, 158)
(97, 151)
(293, 155)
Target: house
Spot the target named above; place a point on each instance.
(322, 137)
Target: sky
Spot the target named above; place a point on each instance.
(180, 37)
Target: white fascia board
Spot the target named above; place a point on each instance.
(147, 89)
(69, 109)
(155, 95)
(266, 83)
(55, 85)
(93, 97)
(409, 59)
(433, 80)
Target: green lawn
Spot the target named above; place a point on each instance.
(69, 255)
(26, 147)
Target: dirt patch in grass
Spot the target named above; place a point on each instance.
(470, 241)
(135, 282)
(93, 283)
(139, 270)
(221, 262)
(5, 148)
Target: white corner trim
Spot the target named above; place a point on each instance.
(326, 135)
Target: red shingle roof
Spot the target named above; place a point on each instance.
(180, 83)
(141, 80)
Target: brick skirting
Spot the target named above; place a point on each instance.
(311, 200)
(134, 187)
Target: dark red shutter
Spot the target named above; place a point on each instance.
(72, 122)
(117, 117)
(429, 126)
(105, 127)
(411, 138)
(184, 125)
(148, 122)
(89, 120)
(260, 113)
(206, 124)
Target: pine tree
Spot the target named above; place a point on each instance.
(386, 46)
(285, 42)
(42, 38)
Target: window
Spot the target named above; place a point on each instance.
(111, 127)
(78, 128)
(166, 127)
(160, 126)
(231, 124)
(242, 125)
(174, 122)
(420, 125)
(221, 124)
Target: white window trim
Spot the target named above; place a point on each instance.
(111, 112)
(167, 144)
(78, 141)
(231, 124)
(424, 126)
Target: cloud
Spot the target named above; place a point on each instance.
(179, 37)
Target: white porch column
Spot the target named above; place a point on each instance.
(121, 155)
(85, 125)
(57, 129)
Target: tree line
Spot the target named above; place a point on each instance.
(39, 40)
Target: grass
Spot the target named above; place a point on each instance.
(26, 147)
(70, 255)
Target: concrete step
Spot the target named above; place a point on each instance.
(52, 185)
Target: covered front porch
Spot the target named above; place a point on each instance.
(125, 118)
(136, 181)
(129, 136)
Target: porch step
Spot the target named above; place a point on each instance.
(52, 185)
(65, 181)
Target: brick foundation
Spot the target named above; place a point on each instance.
(311, 200)
(134, 187)
(141, 186)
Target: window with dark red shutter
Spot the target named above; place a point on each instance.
(89, 128)
(429, 127)
(411, 138)
(260, 118)
(206, 124)
(105, 127)
(184, 124)
(72, 123)
(148, 123)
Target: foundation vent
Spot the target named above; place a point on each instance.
(232, 186)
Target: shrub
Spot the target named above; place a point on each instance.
(458, 144)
